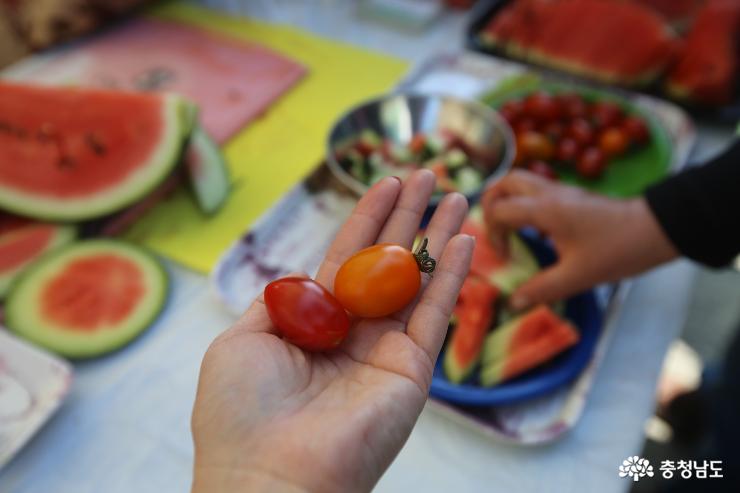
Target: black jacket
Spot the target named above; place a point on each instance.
(699, 209)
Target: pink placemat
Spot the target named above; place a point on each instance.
(232, 81)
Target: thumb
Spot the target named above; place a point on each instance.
(552, 284)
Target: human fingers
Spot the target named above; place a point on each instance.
(445, 224)
(429, 321)
(554, 283)
(403, 222)
(361, 229)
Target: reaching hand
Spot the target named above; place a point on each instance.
(597, 239)
(271, 417)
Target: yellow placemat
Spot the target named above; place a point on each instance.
(276, 151)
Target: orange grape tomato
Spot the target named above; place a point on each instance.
(380, 280)
(613, 141)
(534, 145)
(306, 314)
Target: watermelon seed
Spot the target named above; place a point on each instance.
(11, 129)
(95, 144)
(154, 79)
(66, 161)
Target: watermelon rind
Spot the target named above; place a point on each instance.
(521, 267)
(189, 116)
(454, 371)
(497, 346)
(63, 234)
(209, 176)
(159, 165)
(23, 315)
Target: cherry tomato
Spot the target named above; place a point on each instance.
(581, 131)
(417, 143)
(568, 97)
(543, 169)
(636, 130)
(306, 314)
(591, 163)
(554, 130)
(378, 281)
(511, 110)
(534, 145)
(573, 105)
(613, 141)
(567, 151)
(605, 114)
(524, 124)
(542, 107)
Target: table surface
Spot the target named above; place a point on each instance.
(125, 425)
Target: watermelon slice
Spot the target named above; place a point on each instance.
(207, 171)
(706, 70)
(22, 241)
(507, 275)
(608, 40)
(88, 298)
(71, 154)
(523, 343)
(474, 315)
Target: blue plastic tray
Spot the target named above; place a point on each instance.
(582, 310)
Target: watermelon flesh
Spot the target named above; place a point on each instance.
(71, 154)
(707, 67)
(87, 299)
(609, 40)
(506, 275)
(677, 12)
(474, 314)
(22, 241)
(524, 343)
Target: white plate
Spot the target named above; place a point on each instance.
(33, 384)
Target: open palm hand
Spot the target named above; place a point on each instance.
(270, 416)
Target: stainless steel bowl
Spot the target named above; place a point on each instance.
(399, 117)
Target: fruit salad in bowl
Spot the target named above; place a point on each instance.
(465, 143)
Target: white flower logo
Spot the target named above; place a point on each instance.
(636, 468)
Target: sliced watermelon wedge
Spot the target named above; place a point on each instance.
(22, 241)
(474, 314)
(523, 343)
(507, 275)
(71, 154)
(207, 171)
(707, 69)
(88, 298)
(612, 41)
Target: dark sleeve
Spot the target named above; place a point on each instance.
(699, 209)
